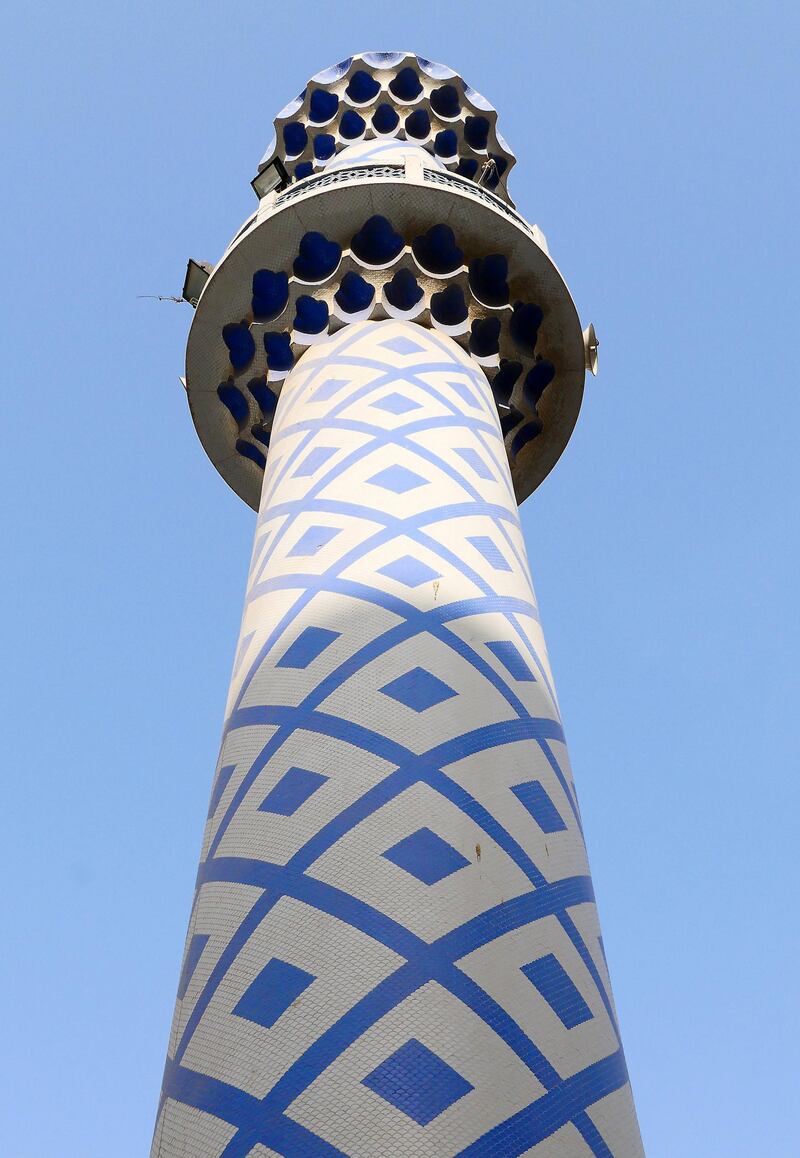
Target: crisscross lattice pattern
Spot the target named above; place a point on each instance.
(393, 950)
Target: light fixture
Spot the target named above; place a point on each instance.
(272, 176)
(197, 274)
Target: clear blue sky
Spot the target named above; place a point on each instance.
(657, 149)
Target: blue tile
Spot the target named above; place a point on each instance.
(490, 552)
(426, 856)
(465, 394)
(329, 388)
(292, 790)
(220, 784)
(401, 345)
(314, 460)
(417, 1083)
(396, 404)
(473, 459)
(418, 689)
(509, 656)
(313, 540)
(273, 991)
(533, 796)
(409, 571)
(558, 990)
(309, 644)
(397, 479)
(193, 955)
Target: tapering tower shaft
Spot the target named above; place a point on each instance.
(394, 949)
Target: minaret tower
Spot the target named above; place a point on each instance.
(393, 950)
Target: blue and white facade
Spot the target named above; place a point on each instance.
(393, 950)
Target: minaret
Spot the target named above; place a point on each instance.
(393, 950)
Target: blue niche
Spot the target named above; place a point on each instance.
(445, 102)
(270, 293)
(537, 380)
(265, 398)
(324, 146)
(240, 343)
(526, 434)
(279, 351)
(406, 86)
(385, 119)
(376, 242)
(448, 307)
(354, 294)
(322, 106)
(304, 169)
(418, 125)
(496, 171)
(317, 257)
(476, 133)
(467, 167)
(484, 338)
(437, 252)
(524, 326)
(352, 126)
(362, 87)
(260, 432)
(232, 397)
(509, 420)
(488, 279)
(505, 380)
(295, 138)
(445, 143)
(403, 291)
(310, 316)
(247, 450)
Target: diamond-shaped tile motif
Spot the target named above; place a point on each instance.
(292, 790)
(465, 394)
(396, 404)
(490, 551)
(417, 1082)
(509, 655)
(418, 690)
(401, 345)
(313, 540)
(327, 390)
(220, 784)
(273, 991)
(473, 459)
(397, 479)
(426, 856)
(409, 571)
(309, 644)
(314, 460)
(558, 990)
(533, 796)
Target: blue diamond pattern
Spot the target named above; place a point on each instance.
(329, 388)
(426, 856)
(396, 404)
(308, 645)
(313, 540)
(314, 460)
(292, 790)
(533, 797)
(273, 991)
(558, 989)
(401, 345)
(418, 690)
(473, 459)
(193, 955)
(409, 571)
(509, 656)
(397, 479)
(465, 394)
(490, 551)
(417, 1082)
